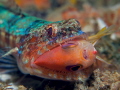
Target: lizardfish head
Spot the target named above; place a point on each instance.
(61, 52)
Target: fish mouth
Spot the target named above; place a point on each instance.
(57, 74)
(55, 43)
(75, 38)
(45, 72)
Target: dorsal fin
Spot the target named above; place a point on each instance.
(11, 5)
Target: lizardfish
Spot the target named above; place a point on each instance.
(55, 50)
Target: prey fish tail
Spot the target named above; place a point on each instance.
(54, 50)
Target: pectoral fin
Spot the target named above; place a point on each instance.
(103, 65)
(14, 50)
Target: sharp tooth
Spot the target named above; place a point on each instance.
(38, 71)
(55, 76)
(68, 78)
(50, 74)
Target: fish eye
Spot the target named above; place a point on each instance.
(49, 31)
(74, 67)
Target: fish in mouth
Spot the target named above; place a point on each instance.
(66, 52)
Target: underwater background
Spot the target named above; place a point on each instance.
(92, 15)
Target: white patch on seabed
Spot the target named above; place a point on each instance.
(11, 86)
(113, 36)
(5, 77)
(101, 23)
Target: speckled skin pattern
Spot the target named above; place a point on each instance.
(17, 25)
(33, 37)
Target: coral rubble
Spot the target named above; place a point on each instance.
(103, 80)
